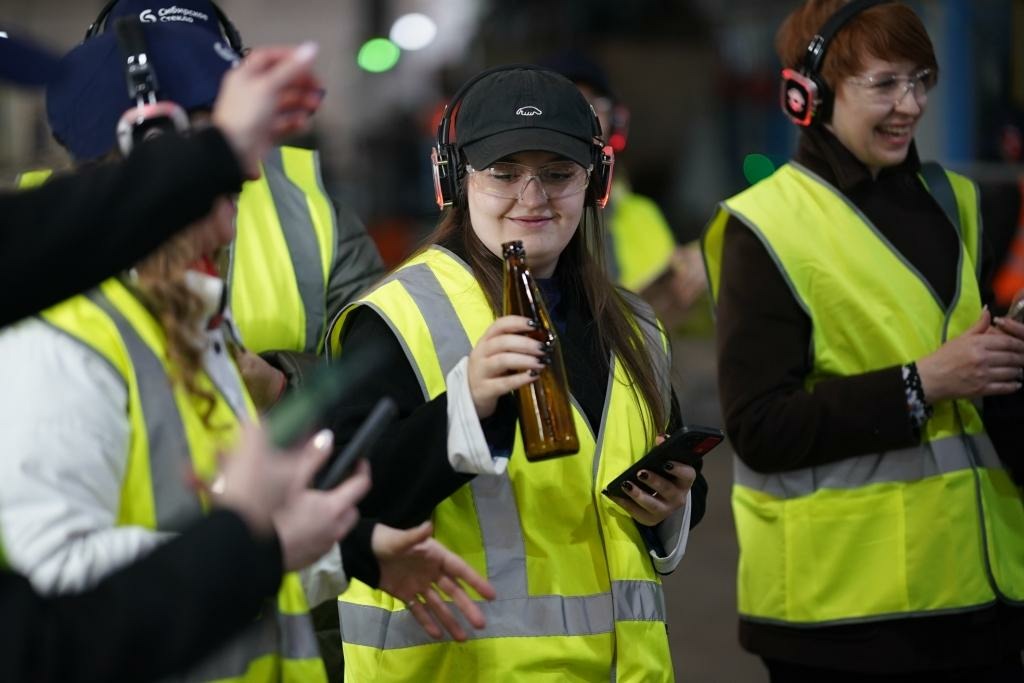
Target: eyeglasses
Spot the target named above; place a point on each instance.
(509, 180)
(890, 89)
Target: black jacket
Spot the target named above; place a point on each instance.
(81, 228)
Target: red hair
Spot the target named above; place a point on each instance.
(890, 31)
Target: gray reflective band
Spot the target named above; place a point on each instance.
(174, 504)
(493, 497)
(289, 636)
(303, 245)
(446, 331)
(542, 616)
(944, 456)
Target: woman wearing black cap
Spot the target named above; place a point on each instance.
(579, 595)
(879, 531)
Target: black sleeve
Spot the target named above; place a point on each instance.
(411, 473)
(764, 341)
(154, 618)
(77, 230)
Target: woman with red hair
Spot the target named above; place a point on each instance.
(879, 530)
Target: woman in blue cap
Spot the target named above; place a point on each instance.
(113, 395)
(577, 572)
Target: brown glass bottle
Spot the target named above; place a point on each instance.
(545, 414)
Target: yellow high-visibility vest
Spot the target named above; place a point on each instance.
(927, 530)
(641, 240)
(168, 436)
(280, 261)
(578, 597)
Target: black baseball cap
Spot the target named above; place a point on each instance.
(524, 109)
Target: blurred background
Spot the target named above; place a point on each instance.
(700, 79)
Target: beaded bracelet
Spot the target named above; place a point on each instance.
(919, 409)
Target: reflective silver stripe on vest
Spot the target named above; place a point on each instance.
(906, 465)
(493, 497)
(174, 504)
(289, 636)
(296, 220)
(531, 617)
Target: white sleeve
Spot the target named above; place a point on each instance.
(673, 534)
(468, 451)
(324, 579)
(64, 436)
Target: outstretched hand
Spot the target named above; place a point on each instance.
(418, 570)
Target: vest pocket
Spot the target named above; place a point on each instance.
(845, 554)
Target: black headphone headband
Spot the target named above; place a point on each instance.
(231, 33)
(804, 95)
(819, 44)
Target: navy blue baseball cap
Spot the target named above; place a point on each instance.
(86, 101)
(195, 13)
(25, 62)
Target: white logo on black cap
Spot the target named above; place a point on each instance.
(146, 16)
(528, 110)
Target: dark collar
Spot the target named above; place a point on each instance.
(821, 152)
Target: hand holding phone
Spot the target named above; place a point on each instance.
(687, 445)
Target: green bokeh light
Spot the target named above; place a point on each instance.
(377, 55)
(757, 167)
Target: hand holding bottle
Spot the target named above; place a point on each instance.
(502, 361)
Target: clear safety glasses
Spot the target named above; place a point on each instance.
(891, 89)
(509, 180)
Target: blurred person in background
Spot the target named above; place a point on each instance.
(577, 574)
(111, 395)
(642, 252)
(169, 610)
(298, 257)
(879, 530)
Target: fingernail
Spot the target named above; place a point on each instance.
(668, 467)
(534, 373)
(546, 359)
(323, 439)
(543, 346)
(626, 486)
(307, 51)
(643, 474)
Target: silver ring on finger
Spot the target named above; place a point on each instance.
(654, 494)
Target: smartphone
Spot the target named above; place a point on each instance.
(1016, 311)
(382, 415)
(688, 446)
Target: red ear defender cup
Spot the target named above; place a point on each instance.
(445, 176)
(602, 174)
(804, 95)
(800, 97)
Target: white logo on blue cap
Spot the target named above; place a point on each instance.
(146, 16)
(528, 110)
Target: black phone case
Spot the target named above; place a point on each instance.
(688, 446)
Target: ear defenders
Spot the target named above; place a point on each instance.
(449, 168)
(231, 33)
(804, 95)
(150, 116)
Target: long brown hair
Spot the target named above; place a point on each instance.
(581, 270)
(162, 286)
